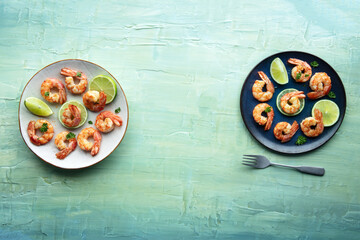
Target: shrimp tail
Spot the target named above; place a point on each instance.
(62, 92)
(294, 61)
(269, 120)
(102, 100)
(300, 94)
(97, 141)
(76, 112)
(319, 118)
(31, 133)
(327, 89)
(63, 153)
(35, 141)
(316, 95)
(293, 130)
(66, 151)
(269, 85)
(117, 120)
(67, 72)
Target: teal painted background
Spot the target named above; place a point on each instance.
(178, 174)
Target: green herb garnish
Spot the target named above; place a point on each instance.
(268, 109)
(70, 135)
(117, 110)
(44, 127)
(301, 140)
(90, 122)
(314, 64)
(331, 94)
(47, 94)
(78, 74)
(306, 75)
(298, 76)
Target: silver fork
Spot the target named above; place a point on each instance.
(258, 161)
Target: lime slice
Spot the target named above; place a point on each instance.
(330, 111)
(282, 93)
(38, 107)
(105, 84)
(278, 72)
(84, 113)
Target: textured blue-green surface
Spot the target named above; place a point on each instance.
(178, 174)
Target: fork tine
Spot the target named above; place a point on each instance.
(250, 165)
(249, 162)
(249, 158)
(250, 155)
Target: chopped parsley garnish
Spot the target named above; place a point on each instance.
(306, 75)
(78, 74)
(301, 140)
(70, 135)
(90, 122)
(331, 94)
(47, 94)
(298, 75)
(117, 110)
(314, 64)
(44, 127)
(268, 109)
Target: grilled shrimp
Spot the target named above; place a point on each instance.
(60, 142)
(302, 71)
(320, 83)
(85, 144)
(258, 86)
(283, 131)
(106, 121)
(261, 120)
(45, 127)
(69, 80)
(313, 127)
(290, 102)
(95, 101)
(51, 83)
(71, 116)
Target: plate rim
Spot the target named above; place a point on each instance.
(82, 60)
(341, 118)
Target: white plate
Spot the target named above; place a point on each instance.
(78, 158)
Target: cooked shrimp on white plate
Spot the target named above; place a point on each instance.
(85, 144)
(66, 143)
(95, 101)
(72, 75)
(106, 121)
(47, 91)
(71, 116)
(44, 127)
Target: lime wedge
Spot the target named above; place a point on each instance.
(330, 111)
(282, 93)
(38, 107)
(105, 84)
(278, 71)
(84, 113)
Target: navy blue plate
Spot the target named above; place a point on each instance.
(266, 138)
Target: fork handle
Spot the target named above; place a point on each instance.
(311, 170)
